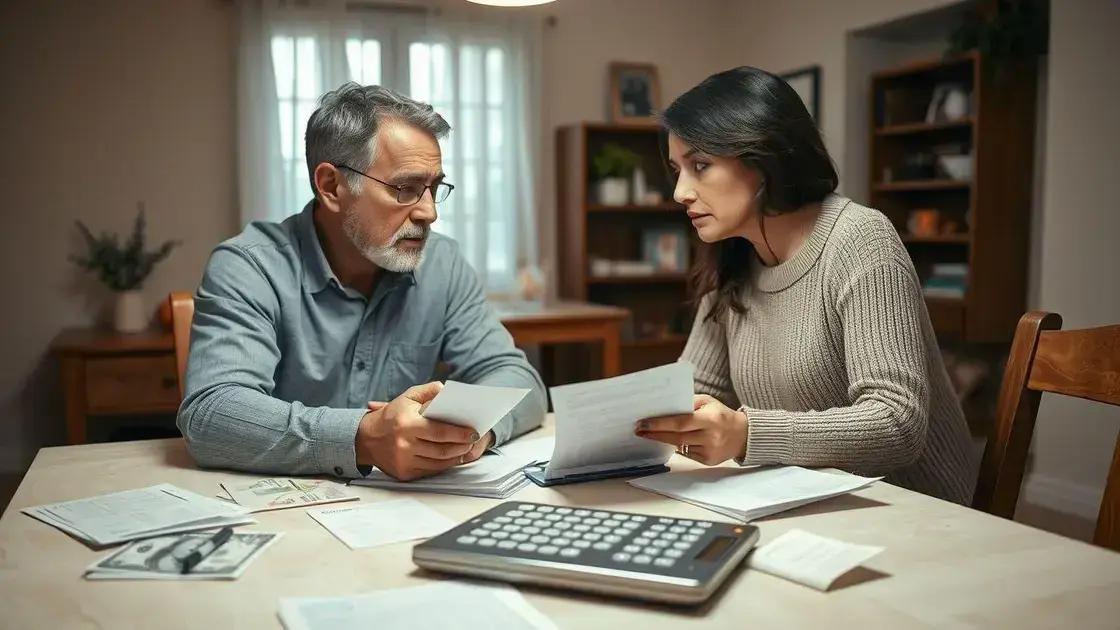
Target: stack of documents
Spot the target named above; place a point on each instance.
(142, 513)
(747, 494)
(262, 495)
(160, 558)
(495, 475)
(438, 605)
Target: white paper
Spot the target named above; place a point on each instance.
(112, 518)
(477, 406)
(278, 493)
(750, 493)
(595, 420)
(385, 523)
(810, 559)
(439, 605)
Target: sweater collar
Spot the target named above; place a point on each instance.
(785, 274)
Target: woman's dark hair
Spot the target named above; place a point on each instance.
(757, 117)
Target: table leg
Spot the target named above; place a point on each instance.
(74, 389)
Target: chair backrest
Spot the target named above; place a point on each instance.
(1082, 363)
(182, 313)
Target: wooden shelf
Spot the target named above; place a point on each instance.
(922, 127)
(656, 342)
(926, 65)
(663, 207)
(647, 279)
(923, 185)
(948, 239)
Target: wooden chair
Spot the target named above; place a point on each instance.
(182, 313)
(1082, 363)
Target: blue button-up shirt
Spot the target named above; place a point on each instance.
(284, 358)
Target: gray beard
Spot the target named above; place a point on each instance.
(388, 257)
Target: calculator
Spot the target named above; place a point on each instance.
(681, 561)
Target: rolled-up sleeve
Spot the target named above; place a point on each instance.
(480, 350)
(229, 417)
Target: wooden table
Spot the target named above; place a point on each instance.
(944, 565)
(105, 373)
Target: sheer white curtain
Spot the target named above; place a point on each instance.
(480, 75)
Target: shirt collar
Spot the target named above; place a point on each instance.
(317, 272)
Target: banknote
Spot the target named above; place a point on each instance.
(260, 495)
(161, 558)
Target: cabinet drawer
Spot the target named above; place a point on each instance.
(146, 384)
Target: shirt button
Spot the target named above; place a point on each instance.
(338, 470)
(361, 365)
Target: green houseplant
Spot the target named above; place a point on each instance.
(122, 267)
(1015, 30)
(613, 166)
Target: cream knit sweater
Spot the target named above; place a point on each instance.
(835, 362)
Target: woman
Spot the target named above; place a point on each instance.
(812, 344)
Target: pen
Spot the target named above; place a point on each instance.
(206, 548)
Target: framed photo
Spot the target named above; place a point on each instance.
(807, 83)
(666, 248)
(635, 92)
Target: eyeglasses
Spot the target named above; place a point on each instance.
(408, 194)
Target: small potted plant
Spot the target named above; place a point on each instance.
(123, 269)
(613, 166)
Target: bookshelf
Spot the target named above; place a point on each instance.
(590, 231)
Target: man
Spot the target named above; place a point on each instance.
(298, 324)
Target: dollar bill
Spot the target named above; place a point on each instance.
(161, 558)
(261, 495)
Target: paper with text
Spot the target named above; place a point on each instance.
(385, 523)
(810, 559)
(477, 406)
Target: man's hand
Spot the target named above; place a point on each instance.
(400, 441)
(713, 433)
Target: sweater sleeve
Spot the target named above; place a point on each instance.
(885, 425)
(706, 350)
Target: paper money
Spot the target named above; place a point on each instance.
(261, 495)
(161, 558)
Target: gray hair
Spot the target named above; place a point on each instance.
(344, 128)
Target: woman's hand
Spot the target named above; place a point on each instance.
(711, 434)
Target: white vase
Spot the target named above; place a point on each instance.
(613, 191)
(128, 312)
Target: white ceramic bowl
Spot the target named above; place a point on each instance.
(956, 166)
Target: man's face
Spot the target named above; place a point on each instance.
(388, 233)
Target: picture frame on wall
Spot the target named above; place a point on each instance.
(807, 83)
(666, 248)
(635, 92)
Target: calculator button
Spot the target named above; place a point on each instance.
(611, 523)
(562, 525)
(621, 532)
(478, 531)
(697, 531)
(582, 512)
(681, 545)
(665, 562)
(526, 506)
(641, 540)
(544, 508)
(642, 559)
(531, 530)
(704, 524)
(621, 557)
(685, 522)
(657, 528)
(669, 536)
(507, 544)
(661, 543)
(527, 547)
(631, 525)
(561, 542)
(515, 513)
(611, 538)
(677, 529)
(551, 532)
(563, 510)
(503, 519)
(631, 549)
(638, 517)
(592, 536)
(600, 514)
(690, 538)
(542, 523)
(582, 544)
(466, 540)
(548, 550)
(673, 553)
(651, 551)
(569, 552)
(499, 535)
(601, 546)
(600, 529)
(491, 526)
(487, 542)
(540, 540)
(552, 517)
(581, 528)
(571, 518)
(519, 537)
(592, 521)
(510, 527)
(667, 521)
(522, 521)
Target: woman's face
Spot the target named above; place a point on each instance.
(720, 193)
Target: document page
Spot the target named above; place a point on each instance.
(384, 523)
(595, 420)
(810, 559)
(477, 406)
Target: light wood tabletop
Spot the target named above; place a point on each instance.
(944, 565)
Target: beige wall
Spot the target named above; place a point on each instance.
(105, 103)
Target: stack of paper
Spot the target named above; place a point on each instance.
(142, 513)
(747, 494)
(439, 605)
(495, 475)
(160, 558)
(373, 524)
(262, 495)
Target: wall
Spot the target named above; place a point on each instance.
(105, 103)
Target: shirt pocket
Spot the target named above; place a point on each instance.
(411, 364)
